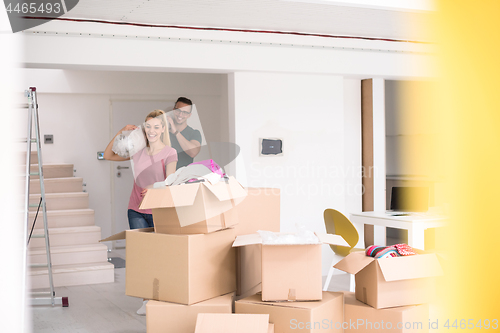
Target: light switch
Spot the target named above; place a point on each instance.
(48, 138)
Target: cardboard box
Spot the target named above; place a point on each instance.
(260, 210)
(165, 317)
(325, 316)
(195, 208)
(291, 272)
(183, 269)
(395, 281)
(233, 323)
(362, 318)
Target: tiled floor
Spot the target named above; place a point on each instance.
(92, 308)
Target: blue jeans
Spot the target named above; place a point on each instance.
(138, 220)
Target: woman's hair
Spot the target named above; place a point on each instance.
(160, 114)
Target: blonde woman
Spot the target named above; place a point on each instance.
(151, 164)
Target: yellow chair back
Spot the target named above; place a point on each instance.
(337, 223)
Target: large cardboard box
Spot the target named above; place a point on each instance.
(195, 208)
(325, 316)
(183, 269)
(362, 318)
(233, 323)
(395, 281)
(260, 210)
(165, 317)
(291, 272)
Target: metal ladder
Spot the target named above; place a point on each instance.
(38, 298)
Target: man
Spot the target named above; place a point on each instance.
(184, 139)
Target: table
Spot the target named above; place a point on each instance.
(415, 224)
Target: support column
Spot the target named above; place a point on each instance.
(373, 154)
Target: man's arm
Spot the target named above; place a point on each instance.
(192, 148)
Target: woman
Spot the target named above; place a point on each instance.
(151, 164)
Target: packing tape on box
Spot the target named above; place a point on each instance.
(292, 295)
(156, 289)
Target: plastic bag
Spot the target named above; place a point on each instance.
(302, 236)
(128, 143)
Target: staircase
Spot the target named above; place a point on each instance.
(77, 256)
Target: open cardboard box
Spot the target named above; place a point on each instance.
(195, 208)
(165, 317)
(325, 316)
(260, 210)
(394, 281)
(362, 318)
(183, 269)
(291, 272)
(232, 323)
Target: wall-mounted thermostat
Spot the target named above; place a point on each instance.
(271, 147)
(100, 155)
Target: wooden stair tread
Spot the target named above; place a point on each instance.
(59, 179)
(57, 269)
(66, 212)
(52, 165)
(67, 230)
(61, 195)
(68, 248)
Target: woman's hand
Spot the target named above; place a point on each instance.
(109, 154)
(128, 128)
(143, 193)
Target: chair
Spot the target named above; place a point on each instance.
(337, 223)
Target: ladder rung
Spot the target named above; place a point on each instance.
(48, 301)
(34, 173)
(39, 266)
(26, 140)
(33, 205)
(41, 293)
(38, 236)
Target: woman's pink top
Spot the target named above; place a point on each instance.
(147, 171)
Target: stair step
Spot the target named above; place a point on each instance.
(65, 255)
(67, 236)
(65, 218)
(61, 201)
(57, 185)
(34, 156)
(52, 170)
(72, 275)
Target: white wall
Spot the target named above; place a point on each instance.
(303, 89)
(75, 108)
(320, 165)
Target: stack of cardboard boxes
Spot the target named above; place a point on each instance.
(391, 293)
(204, 253)
(291, 287)
(186, 265)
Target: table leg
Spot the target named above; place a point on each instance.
(379, 235)
(416, 237)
